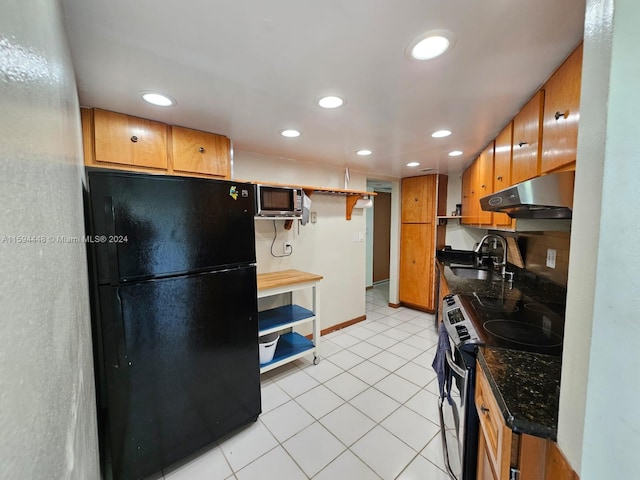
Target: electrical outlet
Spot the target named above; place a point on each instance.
(551, 257)
(287, 248)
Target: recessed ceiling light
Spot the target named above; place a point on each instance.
(413, 164)
(441, 133)
(330, 101)
(431, 45)
(455, 153)
(364, 152)
(158, 99)
(290, 133)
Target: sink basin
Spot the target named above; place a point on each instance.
(475, 273)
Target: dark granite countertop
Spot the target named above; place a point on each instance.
(526, 386)
(524, 285)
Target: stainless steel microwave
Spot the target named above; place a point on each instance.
(273, 201)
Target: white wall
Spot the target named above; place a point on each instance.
(460, 237)
(47, 400)
(599, 422)
(327, 247)
(369, 246)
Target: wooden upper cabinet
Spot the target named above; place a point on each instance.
(526, 140)
(194, 151)
(502, 169)
(418, 197)
(469, 204)
(131, 141)
(484, 179)
(561, 114)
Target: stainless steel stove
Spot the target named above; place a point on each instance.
(519, 324)
(470, 321)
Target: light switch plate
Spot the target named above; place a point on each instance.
(314, 217)
(551, 257)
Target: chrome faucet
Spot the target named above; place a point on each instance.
(492, 237)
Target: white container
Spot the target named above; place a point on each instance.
(267, 348)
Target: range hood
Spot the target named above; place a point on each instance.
(548, 196)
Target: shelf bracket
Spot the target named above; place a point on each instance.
(351, 202)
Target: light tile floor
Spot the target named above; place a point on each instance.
(368, 410)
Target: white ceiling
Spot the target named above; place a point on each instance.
(250, 68)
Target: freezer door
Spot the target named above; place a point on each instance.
(155, 226)
(181, 363)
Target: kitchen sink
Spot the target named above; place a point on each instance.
(475, 273)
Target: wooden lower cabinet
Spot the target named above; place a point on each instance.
(485, 468)
(499, 448)
(417, 265)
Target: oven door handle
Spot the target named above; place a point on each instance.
(456, 369)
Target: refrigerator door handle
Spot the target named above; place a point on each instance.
(121, 357)
(112, 250)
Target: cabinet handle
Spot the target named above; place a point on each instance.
(483, 186)
(499, 178)
(134, 139)
(522, 143)
(483, 409)
(201, 150)
(560, 114)
(414, 261)
(415, 199)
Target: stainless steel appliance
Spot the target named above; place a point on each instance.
(471, 321)
(174, 315)
(548, 196)
(275, 201)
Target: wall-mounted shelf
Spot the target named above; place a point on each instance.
(352, 196)
(443, 219)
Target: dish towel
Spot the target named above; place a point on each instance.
(440, 364)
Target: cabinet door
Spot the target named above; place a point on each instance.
(485, 469)
(484, 184)
(561, 114)
(200, 152)
(526, 140)
(469, 199)
(416, 265)
(126, 140)
(502, 169)
(418, 197)
(493, 429)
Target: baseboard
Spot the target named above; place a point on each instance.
(394, 305)
(417, 307)
(342, 325)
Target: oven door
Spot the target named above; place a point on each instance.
(453, 417)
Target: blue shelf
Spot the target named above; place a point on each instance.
(282, 317)
(289, 344)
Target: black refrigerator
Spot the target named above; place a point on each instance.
(174, 315)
